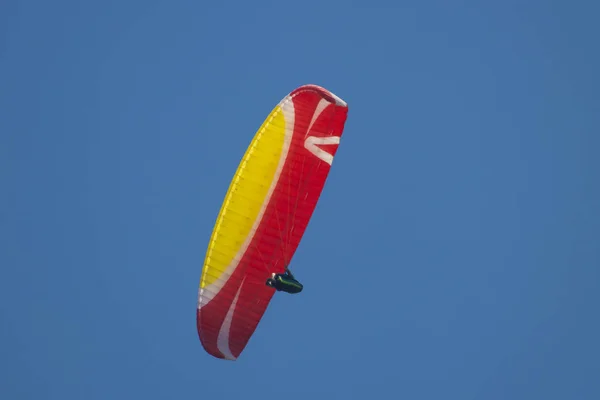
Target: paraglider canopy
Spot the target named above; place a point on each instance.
(264, 214)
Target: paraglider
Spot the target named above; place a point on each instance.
(263, 217)
(285, 282)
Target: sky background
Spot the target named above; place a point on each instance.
(455, 250)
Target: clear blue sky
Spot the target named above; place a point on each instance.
(454, 253)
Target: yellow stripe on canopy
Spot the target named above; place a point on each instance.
(245, 197)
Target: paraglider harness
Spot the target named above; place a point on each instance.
(285, 282)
